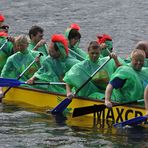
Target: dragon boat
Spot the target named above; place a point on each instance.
(44, 100)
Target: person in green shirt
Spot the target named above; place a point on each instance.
(128, 82)
(73, 36)
(55, 65)
(6, 45)
(82, 71)
(106, 44)
(146, 99)
(20, 60)
(141, 45)
(37, 43)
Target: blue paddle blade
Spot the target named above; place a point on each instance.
(133, 122)
(5, 82)
(61, 107)
(9, 84)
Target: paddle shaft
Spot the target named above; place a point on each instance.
(127, 103)
(40, 54)
(44, 83)
(76, 54)
(62, 106)
(3, 44)
(49, 83)
(92, 75)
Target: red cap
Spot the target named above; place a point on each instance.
(103, 38)
(60, 38)
(75, 26)
(2, 18)
(3, 34)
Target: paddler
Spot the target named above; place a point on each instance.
(81, 72)
(37, 42)
(141, 45)
(73, 36)
(55, 65)
(20, 60)
(128, 82)
(106, 44)
(146, 99)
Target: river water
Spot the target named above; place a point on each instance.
(125, 21)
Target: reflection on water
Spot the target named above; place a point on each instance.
(26, 128)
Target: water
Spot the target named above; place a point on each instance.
(26, 128)
(125, 21)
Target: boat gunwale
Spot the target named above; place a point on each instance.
(78, 97)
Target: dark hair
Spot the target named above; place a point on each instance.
(93, 45)
(34, 30)
(4, 27)
(56, 47)
(74, 34)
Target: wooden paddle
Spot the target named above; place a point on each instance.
(40, 54)
(62, 106)
(96, 108)
(5, 82)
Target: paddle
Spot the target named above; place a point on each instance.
(62, 106)
(5, 82)
(96, 108)
(133, 122)
(3, 44)
(40, 54)
(76, 54)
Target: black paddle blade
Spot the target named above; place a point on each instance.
(88, 110)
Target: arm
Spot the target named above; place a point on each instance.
(31, 80)
(39, 44)
(146, 99)
(108, 93)
(114, 56)
(9, 70)
(116, 83)
(68, 90)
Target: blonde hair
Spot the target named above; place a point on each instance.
(21, 39)
(139, 52)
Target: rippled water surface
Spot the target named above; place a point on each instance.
(25, 128)
(124, 20)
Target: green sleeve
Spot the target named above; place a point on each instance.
(9, 70)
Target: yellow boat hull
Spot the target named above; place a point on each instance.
(44, 100)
